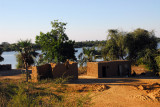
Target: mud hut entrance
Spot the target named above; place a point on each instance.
(104, 74)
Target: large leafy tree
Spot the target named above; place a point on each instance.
(55, 44)
(115, 47)
(142, 47)
(138, 41)
(27, 53)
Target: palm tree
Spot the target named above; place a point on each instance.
(27, 53)
(87, 55)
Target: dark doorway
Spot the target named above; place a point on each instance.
(104, 71)
(119, 70)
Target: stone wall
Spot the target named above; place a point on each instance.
(5, 67)
(109, 68)
(55, 71)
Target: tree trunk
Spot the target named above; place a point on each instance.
(26, 72)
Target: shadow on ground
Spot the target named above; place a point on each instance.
(12, 72)
(132, 81)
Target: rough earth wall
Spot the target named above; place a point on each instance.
(108, 68)
(40, 72)
(92, 69)
(67, 69)
(55, 71)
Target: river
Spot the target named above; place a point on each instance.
(10, 58)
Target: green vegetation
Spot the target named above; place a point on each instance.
(87, 55)
(115, 47)
(52, 93)
(89, 43)
(26, 54)
(139, 46)
(1, 51)
(55, 44)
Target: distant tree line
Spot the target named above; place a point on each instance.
(12, 47)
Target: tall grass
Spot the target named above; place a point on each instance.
(46, 93)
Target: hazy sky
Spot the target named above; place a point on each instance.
(87, 19)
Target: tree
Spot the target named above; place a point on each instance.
(138, 41)
(86, 55)
(56, 46)
(26, 53)
(1, 51)
(115, 47)
(142, 45)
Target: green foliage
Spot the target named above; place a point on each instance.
(55, 44)
(138, 41)
(115, 47)
(1, 51)
(89, 43)
(27, 53)
(87, 55)
(157, 58)
(20, 63)
(142, 47)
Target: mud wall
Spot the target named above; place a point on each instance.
(114, 68)
(54, 71)
(41, 72)
(109, 69)
(67, 69)
(92, 69)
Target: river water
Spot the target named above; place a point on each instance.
(10, 58)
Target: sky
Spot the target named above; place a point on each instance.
(86, 19)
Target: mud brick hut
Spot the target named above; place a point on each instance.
(54, 70)
(109, 68)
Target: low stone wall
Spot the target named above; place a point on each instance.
(5, 67)
(54, 71)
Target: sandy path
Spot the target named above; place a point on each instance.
(122, 92)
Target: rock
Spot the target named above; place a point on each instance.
(141, 87)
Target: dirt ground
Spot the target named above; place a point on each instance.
(112, 92)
